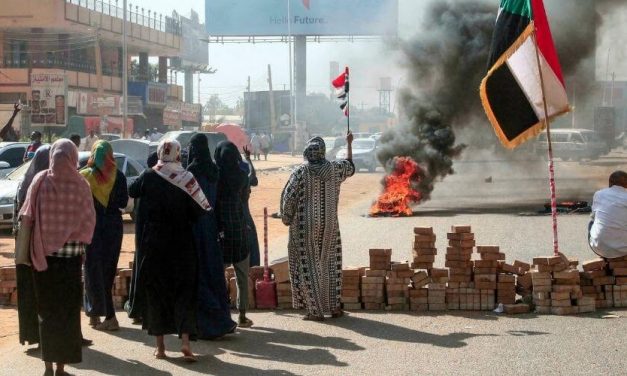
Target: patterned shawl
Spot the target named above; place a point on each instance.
(101, 171)
(169, 168)
(315, 155)
(59, 204)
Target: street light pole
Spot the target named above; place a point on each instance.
(124, 73)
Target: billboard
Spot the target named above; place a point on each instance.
(95, 104)
(153, 94)
(48, 100)
(307, 17)
(194, 48)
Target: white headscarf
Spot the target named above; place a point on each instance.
(169, 167)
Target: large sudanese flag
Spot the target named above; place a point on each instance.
(511, 92)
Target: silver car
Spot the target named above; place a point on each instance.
(8, 186)
(364, 154)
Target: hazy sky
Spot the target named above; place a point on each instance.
(368, 60)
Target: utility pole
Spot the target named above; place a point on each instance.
(98, 57)
(247, 106)
(199, 87)
(272, 108)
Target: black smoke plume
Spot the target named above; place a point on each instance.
(446, 64)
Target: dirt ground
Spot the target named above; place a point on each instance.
(267, 194)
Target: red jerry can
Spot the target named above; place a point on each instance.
(265, 289)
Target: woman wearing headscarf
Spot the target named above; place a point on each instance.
(232, 224)
(26, 305)
(251, 229)
(214, 313)
(135, 304)
(60, 209)
(108, 187)
(309, 206)
(173, 202)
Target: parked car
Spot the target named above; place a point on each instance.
(8, 187)
(11, 156)
(333, 145)
(109, 136)
(376, 136)
(572, 144)
(364, 154)
(139, 150)
(357, 135)
(183, 137)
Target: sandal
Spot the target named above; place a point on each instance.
(188, 356)
(160, 355)
(313, 318)
(246, 323)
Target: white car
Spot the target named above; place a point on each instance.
(364, 154)
(8, 186)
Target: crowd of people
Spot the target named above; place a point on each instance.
(191, 223)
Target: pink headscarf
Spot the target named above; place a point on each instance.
(59, 205)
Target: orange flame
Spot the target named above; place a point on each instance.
(398, 196)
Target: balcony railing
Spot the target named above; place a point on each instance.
(78, 65)
(134, 14)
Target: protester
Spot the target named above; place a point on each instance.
(255, 145)
(7, 133)
(60, 208)
(135, 305)
(608, 233)
(232, 221)
(253, 241)
(169, 276)
(214, 313)
(27, 303)
(108, 187)
(146, 136)
(264, 145)
(76, 139)
(90, 140)
(35, 139)
(309, 206)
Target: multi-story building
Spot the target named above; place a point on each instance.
(82, 39)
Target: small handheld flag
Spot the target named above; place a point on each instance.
(341, 85)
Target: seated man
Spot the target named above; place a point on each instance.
(608, 234)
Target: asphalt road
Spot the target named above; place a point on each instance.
(503, 212)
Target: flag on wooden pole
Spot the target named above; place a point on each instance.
(512, 92)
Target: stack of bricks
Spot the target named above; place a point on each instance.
(595, 270)
(485, 277)
(618, 267)
(121, 287)
(281, 275)
(351, 288)
(418, 294)
(284, 295)
(437, 290)
(373, 282)
(461, 242)
(524, 284)
(506, 289)
(424, 250)
(397, 283)
(542, 286)
(565, 292)
(8, 286)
